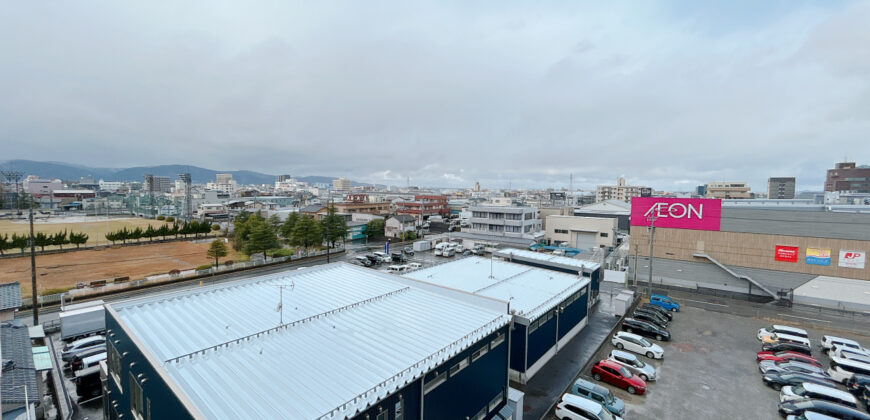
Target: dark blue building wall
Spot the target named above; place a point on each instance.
(472, 388)
(573, 314)
(410, 404)
(518, 348)
(541, 340)
(164, 404)
(595, 279)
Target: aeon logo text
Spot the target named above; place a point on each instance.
(676, 210)
(677, 213)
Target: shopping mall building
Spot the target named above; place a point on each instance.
(761, 249)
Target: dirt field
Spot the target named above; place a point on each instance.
(95, 227)
(69, 268)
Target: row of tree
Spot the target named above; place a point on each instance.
(252, 233)
(189, 228)
(42, 240)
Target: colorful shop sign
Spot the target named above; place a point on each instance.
(818, 256)
(851, 259)
(785, 253)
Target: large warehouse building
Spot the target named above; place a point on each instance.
(549, 308)
(587, 269)
(761, 249)
(332, 342)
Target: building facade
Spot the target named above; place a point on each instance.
(341, 184)
(39, 187)
(514, 222)
(847, 176)
(727, 190)
(396, 226)
(582, 232)
(157, 184)
(620, 191)
(423, 206)
(780, 188)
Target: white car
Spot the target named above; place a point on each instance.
(573, 407)
(829, 341)
(781, 329)
(637, 344)
(842, 370)
(635, 365)
(71, 349)
(845, 352)
(811, 390)
(415, 265)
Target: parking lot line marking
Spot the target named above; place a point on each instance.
(707, 303)
(803, 317)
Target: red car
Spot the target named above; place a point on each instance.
(786, 356)
(616, 374)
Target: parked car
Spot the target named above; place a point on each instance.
(664, 302)
(770, 367)
(786, 356)
(822, 407)
(659, 310)
(617, 375)
(785, 338)
(648, 316)
(637, 344)
(71, 349)
(572, 407)
(76, 362)
(383, 256)
(843, 369)
(645, 329)
(599, 394)
(94, 360)
(809, 415)
(88, 383)
(397, 257)
(478, 250)
(829, 341)
(415, 265)
(362, 260)
(782, 329)
(634, 364)
(793, 347)
(843, 352)
(817, 392)
(408, 250)
(779, 380)
(375, 260)
(855, 383)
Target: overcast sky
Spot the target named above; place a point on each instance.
(667, 94)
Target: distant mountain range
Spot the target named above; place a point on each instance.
(72, 172)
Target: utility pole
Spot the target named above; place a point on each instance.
(33, 294)
(652, 233)
(635, 265)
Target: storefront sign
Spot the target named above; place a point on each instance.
(818, 256)
(786, 253)
(851, 259)
(678, 213)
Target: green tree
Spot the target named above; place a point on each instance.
(60, 238)
(161, 217)
(287, 227)
(136, 234)
(333, 227)
(274, 221)
(42, 240)
(78, 239)
(409, 236)
(374, 229)
(163, 231)
(215, 227)
(306, 233)
(175, 230)
(217, 249)
(170, 219)
(5, 243)
(242, 226)
(149, 232)
(20, 242)
(261, 239)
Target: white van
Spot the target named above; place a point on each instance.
(70, 350)
(579, 408)
(782, 329)
(397, 268)
(819, 392)
(94, 360)
(842, 370)
(439, 248)
(383, 256)
(448, 251)
(829, 341)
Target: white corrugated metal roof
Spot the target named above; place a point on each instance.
(530, 291)
(351, 336)
(541, 256)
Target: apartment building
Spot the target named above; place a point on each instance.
(780, 188)
(341, 184)
(620, 191)
(727, 190)
(514, 222)
(847, 176)
(424, 205)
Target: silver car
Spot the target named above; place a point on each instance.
(635, 365)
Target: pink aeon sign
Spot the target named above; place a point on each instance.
(678, 213)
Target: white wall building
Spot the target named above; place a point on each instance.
(514, 222)
(111, 186)
(582, 232)
(35, 185)
(620, 191)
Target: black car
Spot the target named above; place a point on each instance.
(88, 383)
(822, 407)
(657, 309)
(855, 383)
(784, 346)
(779, 380)
(645, 329)
(374, 259)
(650, 317)
(398, 257)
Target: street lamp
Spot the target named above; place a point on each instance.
(652, 231)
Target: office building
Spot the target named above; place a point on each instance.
(157, 184)
(341, 184)
(39, 186)
(620, 191)
(727, 190)
(846, 176)
(780, 188)
(507, 221)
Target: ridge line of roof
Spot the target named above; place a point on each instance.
(284, 326)
(503, 280)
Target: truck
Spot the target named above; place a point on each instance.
(82, 320)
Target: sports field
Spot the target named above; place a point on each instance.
(68, 268)
(95, 227)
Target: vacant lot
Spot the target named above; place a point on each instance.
(69, 268)
(95, 227)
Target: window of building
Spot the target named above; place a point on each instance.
(114, 362)
(479, 353)
(459, 366)
(383, 415)
(533, 326)
(480, 414)
(136, 401)
(398, 410)
(496, 341)
(434, 382)
(496, 401)
(561, 230)
(604, 234)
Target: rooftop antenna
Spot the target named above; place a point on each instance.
(280, 308)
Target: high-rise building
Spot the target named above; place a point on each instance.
(620, 191)
(780, 188)
(476, 186)
(223, 178)
(284, 178)
(157, 184)
(727, 190)
(846, 176)
(341, 184)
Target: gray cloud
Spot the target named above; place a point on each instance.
(443, 93)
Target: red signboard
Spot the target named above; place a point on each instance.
(679, 213)
(786, 253)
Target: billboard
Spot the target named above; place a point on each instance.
(785, 253)
(677, 213)
(851, 259)
(818, 256)
(646, 192)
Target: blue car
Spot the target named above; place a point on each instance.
(664, 302)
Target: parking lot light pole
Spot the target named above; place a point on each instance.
(652, 232)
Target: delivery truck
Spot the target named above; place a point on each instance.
(81, 320)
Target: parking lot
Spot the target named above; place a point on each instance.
(709, 369)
